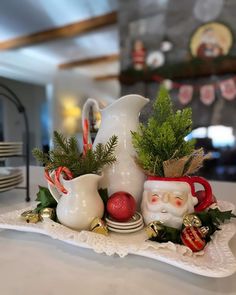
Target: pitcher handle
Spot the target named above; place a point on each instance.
(209, 198)
(87, 140)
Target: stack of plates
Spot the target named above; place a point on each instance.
(10, 178)
(10, 149)
(131, 226)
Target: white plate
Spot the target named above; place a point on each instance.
(125, 231)
(11, 143)
(5, 154)
(7, 148)
(121, 226)
(9, 180)
(134, 220)
(12, 183)
(9, 187)
(217, 259)
(8, 173)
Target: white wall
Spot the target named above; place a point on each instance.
(70, 85)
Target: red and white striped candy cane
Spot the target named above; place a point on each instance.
(48, 177)
(56, 181)
(86, 144)
(87, 141)
(58, 173)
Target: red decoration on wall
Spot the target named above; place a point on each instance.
(185, 94)
(139, 55)
(228, 89)
(207, 94)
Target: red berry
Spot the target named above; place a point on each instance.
(121, 206)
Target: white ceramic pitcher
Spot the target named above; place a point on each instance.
(119, 119)
(81, 204)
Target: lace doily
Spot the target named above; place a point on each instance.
(216, 260)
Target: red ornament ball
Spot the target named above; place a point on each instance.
(121, 206)
(193, 238)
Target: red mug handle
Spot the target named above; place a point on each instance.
(209, 198)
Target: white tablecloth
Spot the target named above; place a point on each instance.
(36, 264)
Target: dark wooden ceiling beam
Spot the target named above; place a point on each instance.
(106, 78)
(90, 61)
(67, 31)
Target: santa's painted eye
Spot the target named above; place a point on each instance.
(154, 198)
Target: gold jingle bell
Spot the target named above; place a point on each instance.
(47, 213)
(99, 226)
(30, 216)
(192, 220)
(153, 228)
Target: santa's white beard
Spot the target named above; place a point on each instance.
(166, 218)
(172, 216)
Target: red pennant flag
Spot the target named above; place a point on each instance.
(228, 89)
(207, 94)
(185, 94)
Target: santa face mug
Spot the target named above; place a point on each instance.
(168, 199)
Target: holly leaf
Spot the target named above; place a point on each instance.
(166, 234)
(213, 218)
(45, 199)
(219, 217)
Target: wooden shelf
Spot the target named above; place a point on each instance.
(195, 68)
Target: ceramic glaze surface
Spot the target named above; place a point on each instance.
(167, 201)
(119, 119)
(81, 204)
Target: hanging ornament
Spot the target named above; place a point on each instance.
(155, 59)
(166, 45)
(207, 94)
(185, 94)
(211, 40)
(139, 55)
(228, 89)
(194, 237)
(168, 84)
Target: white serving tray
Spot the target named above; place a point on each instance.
(216, 260)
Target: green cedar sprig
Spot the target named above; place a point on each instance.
(162, 138)
(66, 153)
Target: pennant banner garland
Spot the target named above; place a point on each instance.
(207, 92)
(228, 89)
(185, 94)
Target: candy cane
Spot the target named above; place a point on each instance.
(86, 144)
(48, 177)
(57, 178)
(56, 181)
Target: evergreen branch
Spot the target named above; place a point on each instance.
(66, 153)
(60, 142)
(40, 156)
